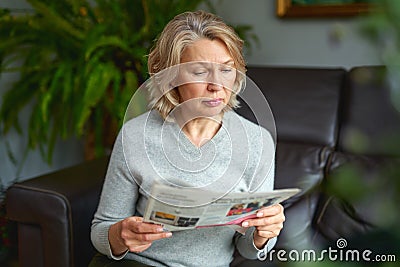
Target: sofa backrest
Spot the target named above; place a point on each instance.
(304, 101)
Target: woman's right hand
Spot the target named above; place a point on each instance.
(134, 235)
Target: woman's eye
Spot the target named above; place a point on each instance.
(199, 73)
(228, 70)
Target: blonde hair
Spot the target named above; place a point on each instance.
(181, 31)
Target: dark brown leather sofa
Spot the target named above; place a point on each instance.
(318, 113)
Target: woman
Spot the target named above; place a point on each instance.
(203, 144)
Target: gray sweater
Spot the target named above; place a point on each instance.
(240, 157)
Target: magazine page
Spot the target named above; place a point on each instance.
(179, 208)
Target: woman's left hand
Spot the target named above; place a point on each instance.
(268, 224)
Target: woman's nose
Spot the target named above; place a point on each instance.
(215, 82)
(214, 86)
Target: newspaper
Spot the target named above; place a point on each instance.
(178, 208)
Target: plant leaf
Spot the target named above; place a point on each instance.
(57, 20)
(113, 41)
(97, 84)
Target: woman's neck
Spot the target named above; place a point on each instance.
(201, 130)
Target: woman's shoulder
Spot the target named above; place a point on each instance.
(256, 135)
(252, 128)
(150, 118)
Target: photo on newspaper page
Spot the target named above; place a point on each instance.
(178, 208)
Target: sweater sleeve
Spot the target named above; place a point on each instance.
(117, 201)
(245, 243)
(263, 182)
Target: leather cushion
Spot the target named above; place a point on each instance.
(357, 193)
(300, 165)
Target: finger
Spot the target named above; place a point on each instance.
(268, 234)
(149, 237)
(136, 225)
(142, 239)
(136, 232)
(270, 228)
(265, 221)
(270, 211)
(269, 231)
(139, 242)
(138, 248)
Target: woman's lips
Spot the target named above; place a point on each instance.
(213, 102)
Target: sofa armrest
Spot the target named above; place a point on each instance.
(54, 212)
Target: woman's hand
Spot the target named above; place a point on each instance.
(134, 235)
(268, 224)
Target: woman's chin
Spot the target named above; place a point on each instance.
(211, 112)
(201, 111)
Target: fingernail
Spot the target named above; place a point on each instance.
(160, 230)
(245, 224)
(260, 214)
(169, 234)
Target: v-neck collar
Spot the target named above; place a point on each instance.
(190, 147)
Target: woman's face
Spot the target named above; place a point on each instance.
(208, 77)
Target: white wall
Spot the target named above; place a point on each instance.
(304, 42)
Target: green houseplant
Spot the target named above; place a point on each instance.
(79, 62)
